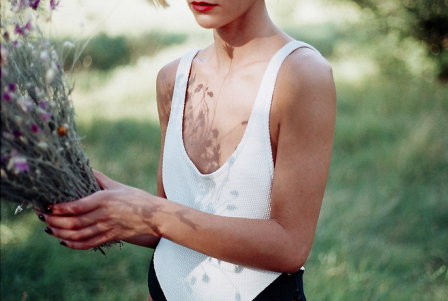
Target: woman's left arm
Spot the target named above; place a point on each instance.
(303, 113)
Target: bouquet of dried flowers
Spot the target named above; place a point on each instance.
(42, 161)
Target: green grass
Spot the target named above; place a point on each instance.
(384, 223)
(126, 150)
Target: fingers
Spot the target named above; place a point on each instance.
(76, 235)
(104, 181)
(70, 222)
(78, 207)
(86, 244)
(82, 239)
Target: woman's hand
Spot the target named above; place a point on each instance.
(118, 212)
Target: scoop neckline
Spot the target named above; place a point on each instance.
(249, 126)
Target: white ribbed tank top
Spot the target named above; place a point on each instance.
(241, 187)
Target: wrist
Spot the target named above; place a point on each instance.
(171, 220)
(157, 215)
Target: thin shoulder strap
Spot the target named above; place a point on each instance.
(180, 85)
(268, 82)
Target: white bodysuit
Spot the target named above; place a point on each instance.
(241, 187)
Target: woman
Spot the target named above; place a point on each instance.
(247, 131)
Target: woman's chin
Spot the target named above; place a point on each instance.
(207, 22)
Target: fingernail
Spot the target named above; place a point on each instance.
(49, 231)
(41, 217)
(49, 210)
(63, 243)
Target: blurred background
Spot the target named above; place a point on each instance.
(383, 229)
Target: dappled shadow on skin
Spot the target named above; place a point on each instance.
(229, 50)
(198, 125)
(202, 139)
(165, 92)
(181, 215)
(147, 213)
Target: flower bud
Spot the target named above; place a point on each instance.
(63, 130)
(44, 56)
(68, 45)
(49, 75)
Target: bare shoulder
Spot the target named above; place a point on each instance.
(305, 68)
(304, 100)
(305, 79)
(165, 87)
(168, 72)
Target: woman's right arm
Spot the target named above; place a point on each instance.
(164, 87)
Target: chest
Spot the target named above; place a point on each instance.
(216, 113)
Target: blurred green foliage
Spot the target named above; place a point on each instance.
(323, 37)
(104, 53)
(423, 20)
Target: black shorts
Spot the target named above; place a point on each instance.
(286, 287)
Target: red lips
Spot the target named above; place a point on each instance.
(202, 6)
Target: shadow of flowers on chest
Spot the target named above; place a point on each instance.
(203, 133)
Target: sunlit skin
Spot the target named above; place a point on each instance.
(302, 122)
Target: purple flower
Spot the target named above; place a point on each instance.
(5, 159)
(53, 4)
(6, 96)
(43, 104)
(34, 4)
(19, 30)
(17, 134)
(35, 128)
(25, 30)
(20, 164)
(28, 26)
(44, 115)
(6, 36)
(12, 87)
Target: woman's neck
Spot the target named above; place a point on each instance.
(244, 38)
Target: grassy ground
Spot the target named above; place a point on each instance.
(383, 228)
